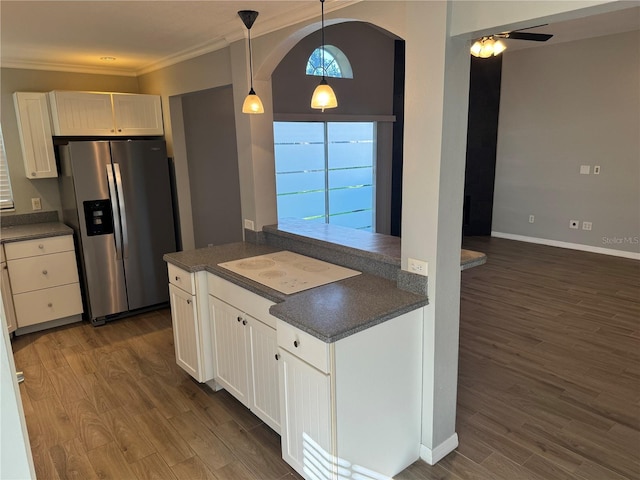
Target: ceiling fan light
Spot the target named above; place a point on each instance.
(487, 48)
(498, 47)
(475, 48)
(323, 96)
(252, 103)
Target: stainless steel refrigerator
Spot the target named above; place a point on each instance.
(116, 195)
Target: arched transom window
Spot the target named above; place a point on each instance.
(336, 63)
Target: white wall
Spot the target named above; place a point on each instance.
(563, 106)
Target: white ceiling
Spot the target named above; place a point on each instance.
(146, 35)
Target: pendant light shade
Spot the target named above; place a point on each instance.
(252, 104)
(323, 96)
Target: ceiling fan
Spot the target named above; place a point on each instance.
(492, 45)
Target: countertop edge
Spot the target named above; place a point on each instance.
(20, 233)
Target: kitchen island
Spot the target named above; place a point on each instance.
(324, 367)
(335, 369)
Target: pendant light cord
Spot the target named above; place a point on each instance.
(324, 66)
(250, 59)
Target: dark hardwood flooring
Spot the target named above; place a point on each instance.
(549, 385)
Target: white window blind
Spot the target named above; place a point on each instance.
(6, 196)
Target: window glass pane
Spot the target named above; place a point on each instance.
(307, 172)
(300, 182)
(301, 206)
(351, 177)
(6, 196)
(344, 200)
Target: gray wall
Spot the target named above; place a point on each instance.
(212, 156)
(370, 53)
(370, 92)
(563, 106)
(21, 80)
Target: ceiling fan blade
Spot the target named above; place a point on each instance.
(535, 37)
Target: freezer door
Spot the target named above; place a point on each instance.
(141, 171)
(102, 269)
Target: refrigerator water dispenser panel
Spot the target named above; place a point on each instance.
(98, 217)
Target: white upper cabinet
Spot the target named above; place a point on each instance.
(34, 127)
(105, 114)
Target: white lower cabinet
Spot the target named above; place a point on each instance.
(190, 320)
(306, 407)
(352, 408)
(245, 351)
(7, 296)
(186, 332)
(44, 280)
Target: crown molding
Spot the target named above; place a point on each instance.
(65, 67)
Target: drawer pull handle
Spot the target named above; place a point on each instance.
(44, 272)
(296, 343)
(188, 302)
(49, 304)
(177, 278)
(41, 246)
(277, 357)
(239, 319)
(244, 322)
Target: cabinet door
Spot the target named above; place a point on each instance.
(137, 114)
(34, 127)
(81, 113)
(265, 397)
(186, 335)
(7, 299)
(230, 347)
(305, 399)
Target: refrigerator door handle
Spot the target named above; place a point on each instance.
(123, 211)
(113, 196)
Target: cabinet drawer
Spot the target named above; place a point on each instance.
(304, 346)
(36, 273)
(40, 246)
(48, 304)
(182, 279)
(247, 301)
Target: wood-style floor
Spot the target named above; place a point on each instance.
(549, 385)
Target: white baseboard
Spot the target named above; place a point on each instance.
(434, 455)
(572, 246)
(50, 324)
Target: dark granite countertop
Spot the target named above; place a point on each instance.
(329, 312)
(18, 233)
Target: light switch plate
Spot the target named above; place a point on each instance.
(249, 225)
(36, 204)
(585, 169)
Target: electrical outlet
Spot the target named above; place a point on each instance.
(575, 224)
(596, 169)
(249, 225)
(36, 204)
(586, 225)
(532, 218)
(585, 169)
(418, 266)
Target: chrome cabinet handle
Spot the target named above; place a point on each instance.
(44, 272)
(177, 278)
(296, 343)
(239, 319)
(41, 246)
(188, 302)
(244, 322)
(49, 304)
(277, 357)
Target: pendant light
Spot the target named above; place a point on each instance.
(252, 104)
(323, 96)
